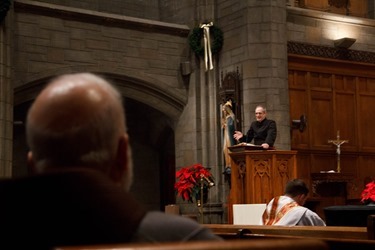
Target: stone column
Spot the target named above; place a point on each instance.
(201, 118)
(208, 125)
(265, 78)
(6, 97)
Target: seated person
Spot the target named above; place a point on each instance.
(80, 160)
(288, 210)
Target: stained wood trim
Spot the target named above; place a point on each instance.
(325, 65)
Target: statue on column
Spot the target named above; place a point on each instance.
(229, 126)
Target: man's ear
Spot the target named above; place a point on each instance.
(302, 199)
(121, 162)
(31, 163)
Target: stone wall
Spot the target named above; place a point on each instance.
(141, 9)
(255, 42)
(142, 58)
(6, 96)
(322, 28)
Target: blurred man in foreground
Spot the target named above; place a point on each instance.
(80, 158)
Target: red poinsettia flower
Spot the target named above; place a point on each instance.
(189, 181)
(368, 194)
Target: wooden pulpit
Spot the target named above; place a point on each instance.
(258, 175)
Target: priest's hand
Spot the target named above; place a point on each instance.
(237, 135)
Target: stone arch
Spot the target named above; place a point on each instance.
(151, 114)
(168, 99)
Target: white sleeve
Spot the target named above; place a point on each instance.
(311, 219)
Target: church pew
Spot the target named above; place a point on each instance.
(337, 238)
(333, 243)
(229, 231)
(243, 237)
(371, 227)
(255, 244)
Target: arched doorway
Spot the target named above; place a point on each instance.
(152, 141)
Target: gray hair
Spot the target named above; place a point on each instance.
(261, 106)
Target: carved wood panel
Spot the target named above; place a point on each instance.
(334, 95)
(366, 123)
(261, 176)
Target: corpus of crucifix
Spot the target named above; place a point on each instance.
(338, 144)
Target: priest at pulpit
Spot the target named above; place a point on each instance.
(263, 131)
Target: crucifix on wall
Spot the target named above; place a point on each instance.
(338, 144)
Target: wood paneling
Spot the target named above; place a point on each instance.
(299, 106)
(345, 118)
(354, 8)
(367, 121)
(320, 119)
(335, 96)
(323, 162)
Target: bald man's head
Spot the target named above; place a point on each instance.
(78, 120)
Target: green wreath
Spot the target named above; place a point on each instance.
(195, 40)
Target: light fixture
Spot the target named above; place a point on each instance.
(300, 124)
(344, 43)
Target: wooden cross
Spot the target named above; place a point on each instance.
(338, 144)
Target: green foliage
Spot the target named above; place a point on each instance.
(196, 36)
(4, 7)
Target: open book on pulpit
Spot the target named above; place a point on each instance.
(245, 146)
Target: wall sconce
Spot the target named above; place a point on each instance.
(300, 124)
(344, 43)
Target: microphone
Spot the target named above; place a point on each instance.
(210, 183)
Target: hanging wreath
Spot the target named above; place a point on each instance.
(4, 7)
(195, 40)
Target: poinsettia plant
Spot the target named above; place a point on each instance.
(368, 194)
(190, 179)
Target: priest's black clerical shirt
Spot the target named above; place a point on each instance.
(261, 132)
